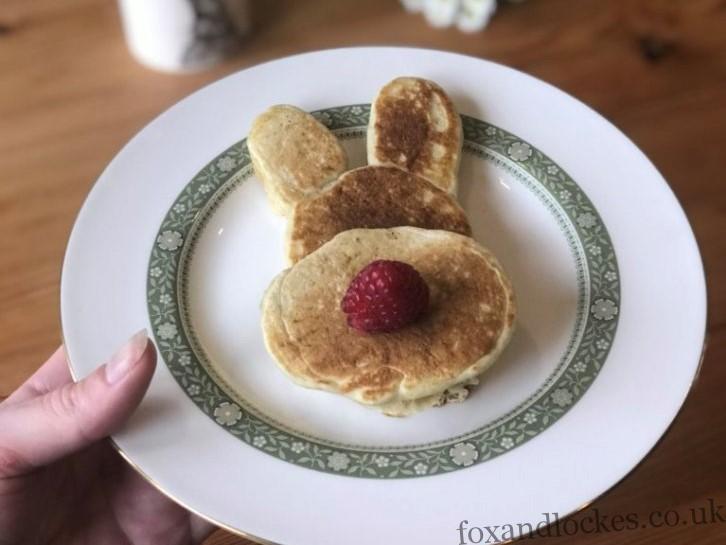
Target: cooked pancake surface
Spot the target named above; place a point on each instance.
(293, 154)
(371, 197)
(415, 126)
(469, 321)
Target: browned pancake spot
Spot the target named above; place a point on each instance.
(373, 197)
(406, 131)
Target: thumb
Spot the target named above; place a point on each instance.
(46, 428)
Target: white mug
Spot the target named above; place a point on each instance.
(183, 35)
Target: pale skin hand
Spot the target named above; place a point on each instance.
(61, 481)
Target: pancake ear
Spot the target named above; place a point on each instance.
(294, 155)
(414, 125)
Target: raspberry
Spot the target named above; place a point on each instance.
(385, 296)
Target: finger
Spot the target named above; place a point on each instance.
(201, 528)
(53, 374)
(46, 428)
(146, 514)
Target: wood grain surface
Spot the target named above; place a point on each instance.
(70, 97)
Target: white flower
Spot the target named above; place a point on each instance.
(169, 240)
(356, 110)
(297, 447)
(595, 250)
(602, 344)
(155, 272)
(324, 118)
(338, 461)
(475, 14)
(420, 468)
(205, 188)
(225, 164)
(193, 389)
(185, 359)
(463, 454)
(586, 220)
(579, 367)
(227, 413)
(468, 15)
(611, 276)
(561, 397)
(506, 442)
(167, 331)
(179, 208)
(165, 299)
(530, 417)
(565, 194)
(552, 169)
(604, 309)
(491, 131)
(519, 151)
(440, 13)
(259, 441)
(381, 461)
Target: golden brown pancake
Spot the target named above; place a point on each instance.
(468, 323)
(294, 155)
(415, 126)
(371, 197)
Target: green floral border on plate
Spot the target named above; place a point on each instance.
(596, 321)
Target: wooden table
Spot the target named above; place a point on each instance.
(70, 97)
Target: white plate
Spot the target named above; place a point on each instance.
(607, 347)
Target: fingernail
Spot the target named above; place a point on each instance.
(128, 355)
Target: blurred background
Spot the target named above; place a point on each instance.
(72, 93)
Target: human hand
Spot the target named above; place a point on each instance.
(61, 481)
